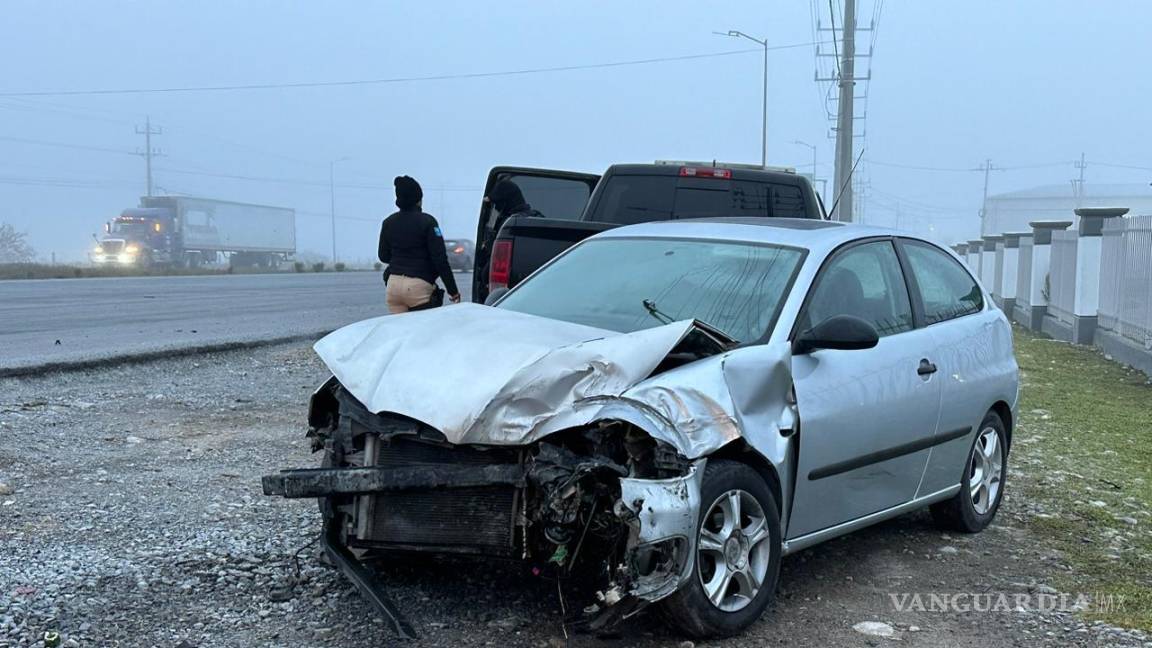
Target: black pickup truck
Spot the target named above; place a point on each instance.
(574, 206)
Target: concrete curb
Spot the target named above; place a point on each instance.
(149, 356)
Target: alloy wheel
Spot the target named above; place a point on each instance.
(985, 467)
(734, 550)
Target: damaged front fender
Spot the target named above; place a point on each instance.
(662, 547)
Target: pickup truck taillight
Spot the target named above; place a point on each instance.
(500, 270)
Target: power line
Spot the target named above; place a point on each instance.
(304, 182)
(394, 80)
(1015, 167)
(1122, 166)
(81, 147)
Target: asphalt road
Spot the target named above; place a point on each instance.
(64, 321)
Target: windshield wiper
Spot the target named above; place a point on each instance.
(715, 334)
(650, 306)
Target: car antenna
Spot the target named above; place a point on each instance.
(846, 182)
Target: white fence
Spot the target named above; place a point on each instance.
(1062, 276)
(1107, 302)
(1126, 273)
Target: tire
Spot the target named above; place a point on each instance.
(691, 609)
(972, 509)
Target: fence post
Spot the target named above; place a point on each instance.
(1041, 260)
(1086, 306)
(988, 264)
(1007, 265)
(1020, 312)
(975, 247)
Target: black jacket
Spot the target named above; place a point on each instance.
(412, 245)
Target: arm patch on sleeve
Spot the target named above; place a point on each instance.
(438, 232)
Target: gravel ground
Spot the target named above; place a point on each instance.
(131, 515)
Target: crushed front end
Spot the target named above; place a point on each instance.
(604, 506)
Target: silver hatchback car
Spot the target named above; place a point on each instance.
(663, 412)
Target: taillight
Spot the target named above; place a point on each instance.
(459, 249)
(706, 172)
(500, 270)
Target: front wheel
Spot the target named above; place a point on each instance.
(738, 549)
(982, 488)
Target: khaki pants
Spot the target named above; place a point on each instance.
(404, 293)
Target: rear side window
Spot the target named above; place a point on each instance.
(864, 281)
(946, 288)
(629, 199)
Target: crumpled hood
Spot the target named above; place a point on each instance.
(488, 375)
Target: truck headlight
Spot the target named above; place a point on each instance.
(132, 249)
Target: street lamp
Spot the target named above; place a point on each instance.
(332, 204)
(764, 116)
(813, 147)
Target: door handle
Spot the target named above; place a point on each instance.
(926, 368)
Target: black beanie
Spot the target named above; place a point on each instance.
(506, 196)
(408, 192)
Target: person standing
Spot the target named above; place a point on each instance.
(412, 246)
(509, 202)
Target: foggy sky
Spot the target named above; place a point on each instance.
(1025, 82)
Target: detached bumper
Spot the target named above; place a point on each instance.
(325, 482)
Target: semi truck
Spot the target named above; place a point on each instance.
(181, 231)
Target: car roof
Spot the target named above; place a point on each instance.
(808, 233)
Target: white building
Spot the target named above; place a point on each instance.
(1012, 211)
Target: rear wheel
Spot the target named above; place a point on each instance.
(982, 488)
(738, 550)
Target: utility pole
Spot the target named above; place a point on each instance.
(332, 206)
(332, 202)
(764, 113)
(987, 168)
(844, 119)
(148, 152)
(1080, 184)
(984, 201)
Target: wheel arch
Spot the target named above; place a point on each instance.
(741, 452)
(1004, 411)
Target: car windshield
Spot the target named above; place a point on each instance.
(630, 284)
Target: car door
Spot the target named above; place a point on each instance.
(867, 416)
(974, 356)
(555, 194)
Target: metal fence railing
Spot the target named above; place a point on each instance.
(1024, 274)
(1126, 273)
(1062, 276)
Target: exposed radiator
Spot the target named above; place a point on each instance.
(468, 520)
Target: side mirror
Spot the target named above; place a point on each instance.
(495, 296)
(844, 332)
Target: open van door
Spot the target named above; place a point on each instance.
(557, 195)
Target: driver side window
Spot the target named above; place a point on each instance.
(864, 281)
